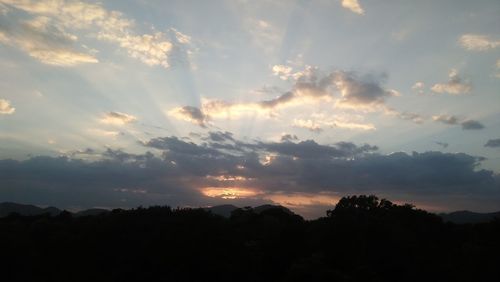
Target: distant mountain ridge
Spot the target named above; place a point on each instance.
(461, 217)
(6, 208)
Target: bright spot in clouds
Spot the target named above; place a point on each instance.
(229, 193)
(6, 108)
(353, 5)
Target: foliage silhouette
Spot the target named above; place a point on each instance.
(362, 239)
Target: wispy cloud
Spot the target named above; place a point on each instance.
(318, 122)
(48, 38)
(478, 42)
(118, 118)
(265, 35)
(45, 41)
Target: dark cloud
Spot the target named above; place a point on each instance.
(443, 144)
(453, 120)
(358, 91)
(288, 137)
(174, 144)
(493, 143)
(191, 114)
(310, 149)
(471, 125)
(181, 170)
(219, 136)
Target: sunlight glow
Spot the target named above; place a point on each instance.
(303, 199)
(229, 193)
(228, 178)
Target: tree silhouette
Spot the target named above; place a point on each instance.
(363, 238)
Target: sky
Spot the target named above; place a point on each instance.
(298, 103)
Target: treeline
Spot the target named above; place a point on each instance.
(361, 239)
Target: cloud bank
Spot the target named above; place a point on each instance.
(222, 168)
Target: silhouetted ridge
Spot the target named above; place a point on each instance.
(222, 210)
(363, 238)
(461, 217)
(26, 210)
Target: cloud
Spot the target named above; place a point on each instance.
(6, 108)
(453, 120)
(288, 137)
(353, 5)
(446, 119)
(45, 41)
(318, 121)
(418, 87)
(46, 36)
(455, 85)
(207, 173)
(493, 143)
(151, 49)
(339, 89)
(472, 125)
(104, 133)
(443, 144)
(284, 72)
(416, 118)
(190, 114)
(478, 42)
(307, 124)
(118, 118)
(220, 136)
(358, 92)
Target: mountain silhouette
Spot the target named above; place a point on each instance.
(462, 217)
(26, 210)
(222, 210)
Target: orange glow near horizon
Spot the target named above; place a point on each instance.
(303, 199)
(229, 193)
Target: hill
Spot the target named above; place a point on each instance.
(462, 217)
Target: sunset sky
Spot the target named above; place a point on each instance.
(197, 103)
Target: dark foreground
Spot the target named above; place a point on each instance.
(362, 239)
